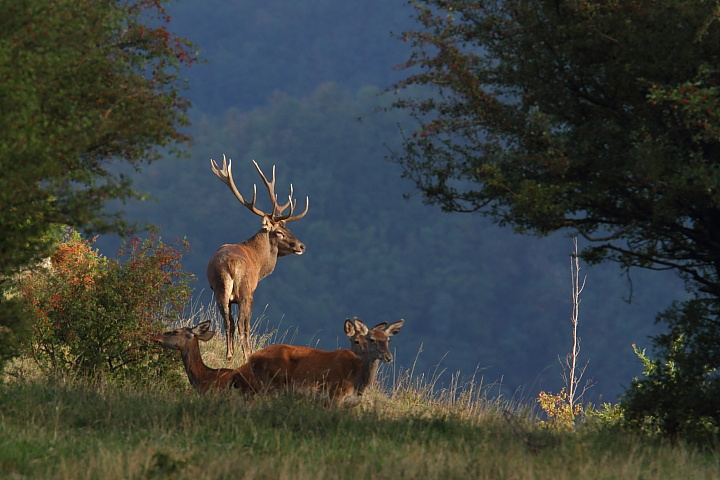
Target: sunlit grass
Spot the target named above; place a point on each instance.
(71, 430)
(409, 425)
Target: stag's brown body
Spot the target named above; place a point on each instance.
(234, 270)
(202, 377)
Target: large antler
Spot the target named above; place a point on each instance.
(225, 174)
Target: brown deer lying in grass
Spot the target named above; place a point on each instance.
(341, 374)
(235, 269)
(202, 377)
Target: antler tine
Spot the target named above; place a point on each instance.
(225, 175)
(289, 217)
(278, 209)
(289, 203)
(270, 186)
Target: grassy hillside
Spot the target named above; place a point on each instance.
(80, 430)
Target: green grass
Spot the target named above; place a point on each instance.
(72, 429)
(409, 427)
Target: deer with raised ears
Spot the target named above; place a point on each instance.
(341, 374)
(202, 377)
(358, 333)
(234, 270)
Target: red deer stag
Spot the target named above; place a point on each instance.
(202, 377)
(235, 270)
(341, 374)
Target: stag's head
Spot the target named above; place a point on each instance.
(275, 222)
(280, 235)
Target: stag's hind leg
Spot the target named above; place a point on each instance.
(225, 308)
(243, 325)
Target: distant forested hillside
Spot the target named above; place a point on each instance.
(256, 48)
(296, 84)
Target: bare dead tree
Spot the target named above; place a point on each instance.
(572, 373)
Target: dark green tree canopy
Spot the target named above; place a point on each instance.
(596, 117)
(599, 118)
(83, 84)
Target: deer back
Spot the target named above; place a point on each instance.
(239, 267)
(244, 380)
(288, 366)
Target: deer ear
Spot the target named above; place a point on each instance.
(205, 336)
(266, 224)
(394, 328)
(201, 327)
(360, 326)
(349, 328)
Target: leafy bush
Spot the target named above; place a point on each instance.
(94, 315)
(561, 413)
(678, 396)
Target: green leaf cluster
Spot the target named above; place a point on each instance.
(678, 393)
(85, 85)
(94, 315)
(579, 115)
(599, 118)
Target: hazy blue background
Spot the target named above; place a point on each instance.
(297, 84)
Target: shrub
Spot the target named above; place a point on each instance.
(94, 315)
(678, 393)
(560, 411)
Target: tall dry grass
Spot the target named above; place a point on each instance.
(409, 425)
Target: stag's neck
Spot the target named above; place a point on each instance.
(265, 251)
(200, 375)
(366, 374)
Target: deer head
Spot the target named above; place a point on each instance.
(182, 338)
(364, 341)
(273, 222)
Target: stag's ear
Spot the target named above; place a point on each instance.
(349, 328)
(266, 224)
(394, 328)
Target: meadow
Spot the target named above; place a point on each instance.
(406, 427)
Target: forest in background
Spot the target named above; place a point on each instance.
(298, 86)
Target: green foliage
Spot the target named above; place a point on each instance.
(573, 116)
(678, 395)
(560, 412)
(94, 315)
(85, 84)
(606, 417)
(598, 118)
(14, 328)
